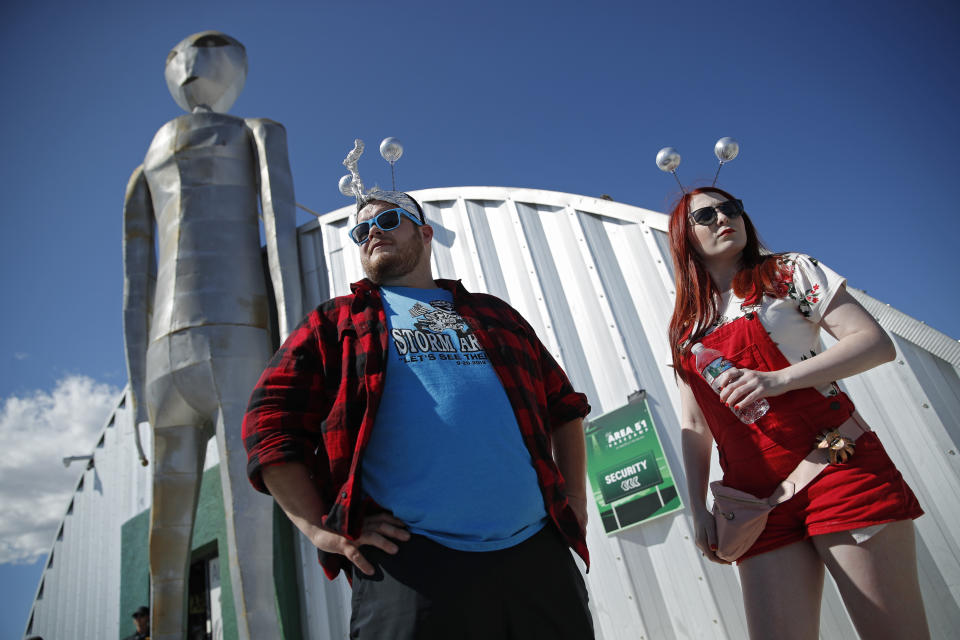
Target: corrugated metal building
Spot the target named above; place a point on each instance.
(594, 279)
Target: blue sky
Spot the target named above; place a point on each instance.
(847, 121)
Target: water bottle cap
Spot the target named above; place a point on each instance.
(697, 347)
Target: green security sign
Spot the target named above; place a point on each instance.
(628, 478)
(631, 479)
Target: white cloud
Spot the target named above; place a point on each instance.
(36, 431)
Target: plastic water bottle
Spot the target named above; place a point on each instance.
(711, 364)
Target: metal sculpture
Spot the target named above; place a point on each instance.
(196, 317)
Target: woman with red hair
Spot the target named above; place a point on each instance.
(763, 312)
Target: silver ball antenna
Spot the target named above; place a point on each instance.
(391, 150)
(668, 160)
(726, 150)
(346, 185)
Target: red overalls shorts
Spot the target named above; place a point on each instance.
(866, 490)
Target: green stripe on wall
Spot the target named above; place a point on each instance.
(209, 531)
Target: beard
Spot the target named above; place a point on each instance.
(380, 267)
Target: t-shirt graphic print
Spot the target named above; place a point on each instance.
(445, 454)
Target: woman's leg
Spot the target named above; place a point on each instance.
(878, 580)
(781, 592)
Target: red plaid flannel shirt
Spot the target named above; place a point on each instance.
(317, 400)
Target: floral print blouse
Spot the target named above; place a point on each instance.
(793, 321)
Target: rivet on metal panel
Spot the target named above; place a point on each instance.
(926, 406)
(899, 361)
(629, 597)
(952, 452)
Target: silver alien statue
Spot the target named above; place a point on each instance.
(196, 318)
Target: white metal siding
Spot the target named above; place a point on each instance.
(81, 585)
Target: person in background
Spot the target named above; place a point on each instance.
(424, 439)
(764, 312)
(141, 620)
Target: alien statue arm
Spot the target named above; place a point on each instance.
(139, 283)
(277, 204)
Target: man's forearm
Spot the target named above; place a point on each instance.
(293, 489)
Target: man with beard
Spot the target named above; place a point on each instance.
(425, 441)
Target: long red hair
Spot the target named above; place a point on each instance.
(697, 304)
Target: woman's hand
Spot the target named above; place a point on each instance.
(705, 531)
(741, 387)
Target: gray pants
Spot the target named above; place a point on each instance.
(427, 591)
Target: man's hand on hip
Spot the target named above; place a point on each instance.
(295, 492)
(380, 530)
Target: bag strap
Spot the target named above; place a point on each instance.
(815, 462)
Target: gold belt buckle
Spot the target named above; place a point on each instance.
(839, 447)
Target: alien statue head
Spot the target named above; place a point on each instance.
(207, 69)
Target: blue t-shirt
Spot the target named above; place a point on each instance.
(446, 455)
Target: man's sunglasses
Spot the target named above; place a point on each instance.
(385, 220)
(708, 215)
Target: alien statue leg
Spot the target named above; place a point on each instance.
(249, 514)
(177, 472)
(181, 429)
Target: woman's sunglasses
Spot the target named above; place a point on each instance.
(708, 215)
(385, 220)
